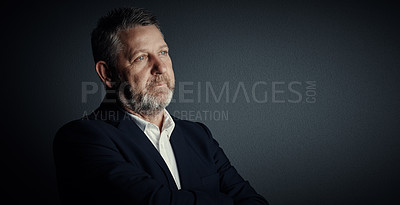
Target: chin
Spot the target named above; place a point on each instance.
(164, 98)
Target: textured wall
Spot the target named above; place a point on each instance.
(303, 97)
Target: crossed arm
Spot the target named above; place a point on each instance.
(92, 170)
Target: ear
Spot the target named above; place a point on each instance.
(104, 73)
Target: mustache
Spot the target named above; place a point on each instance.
(159, 79)
(130, 92)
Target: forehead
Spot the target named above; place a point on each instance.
(142, 37)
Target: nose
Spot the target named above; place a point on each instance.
(159, 67)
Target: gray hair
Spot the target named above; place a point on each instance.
(105, 40)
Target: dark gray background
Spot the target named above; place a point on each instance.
(343, 149)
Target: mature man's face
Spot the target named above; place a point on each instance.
(145, 70)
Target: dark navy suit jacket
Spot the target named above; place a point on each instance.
(105, 158)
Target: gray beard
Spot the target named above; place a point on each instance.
(147, 104)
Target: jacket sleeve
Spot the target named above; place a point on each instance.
(231, 183)
(91, 170)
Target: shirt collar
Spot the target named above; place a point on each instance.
(168, 124)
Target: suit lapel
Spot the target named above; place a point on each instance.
(131, 130)
(187, 168)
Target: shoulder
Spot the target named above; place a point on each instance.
(90, 128)
(84, 125)
(191, 126)
(196, 133)
(198, 137)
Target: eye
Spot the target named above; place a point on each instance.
(164, 53)
(140, 58)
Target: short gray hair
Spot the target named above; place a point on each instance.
(105, 40)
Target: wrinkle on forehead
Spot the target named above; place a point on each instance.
(140, 37)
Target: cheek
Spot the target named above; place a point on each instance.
(172, 77)
(137, 82)
(171, 70)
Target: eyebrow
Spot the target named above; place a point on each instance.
(164, 46)
(132, 54)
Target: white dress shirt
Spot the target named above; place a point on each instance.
(161, 141)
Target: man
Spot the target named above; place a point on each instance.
(131, 150)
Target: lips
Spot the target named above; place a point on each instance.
(158, 86)
(158, 83)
